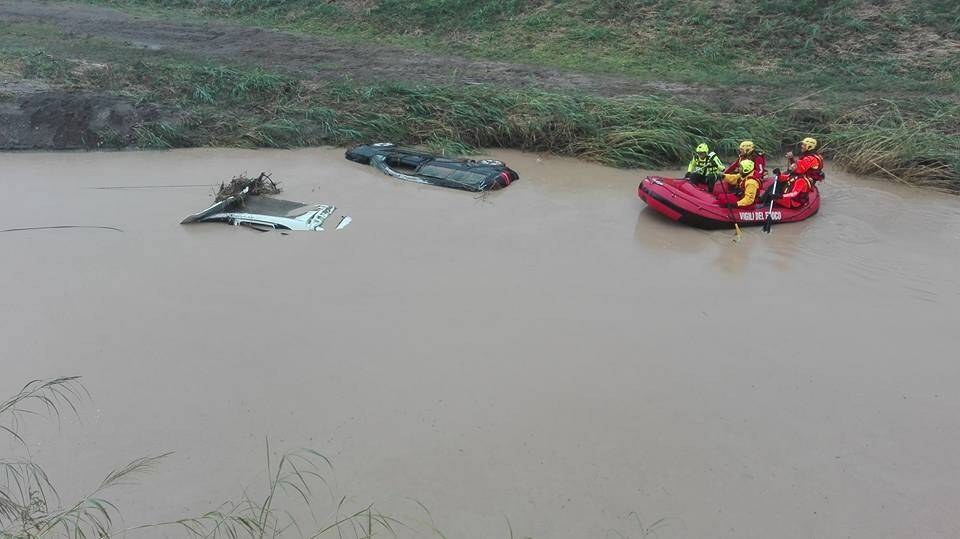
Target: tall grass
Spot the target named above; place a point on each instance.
(255, 109)
(921, 151)
(226, 106)
(634, 131)
(31, 507)
(639, 131)
(218, 106)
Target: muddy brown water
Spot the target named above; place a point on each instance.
(555, 353)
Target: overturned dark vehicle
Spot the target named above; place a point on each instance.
(419, 167)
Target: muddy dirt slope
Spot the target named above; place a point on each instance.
(35, 116)
(313, 57)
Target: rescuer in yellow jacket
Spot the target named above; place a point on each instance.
(742, 187)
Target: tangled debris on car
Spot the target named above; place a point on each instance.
(420, 167)
(247, 202)
(261, 185)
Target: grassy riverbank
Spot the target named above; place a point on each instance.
(778, 43)
(909, 131)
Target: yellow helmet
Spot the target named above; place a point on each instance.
(746, 166)
(703, 148)
(747, 146)
(808, 144)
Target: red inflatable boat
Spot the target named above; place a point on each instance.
(684, 202)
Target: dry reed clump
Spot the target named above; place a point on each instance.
(924, 151)
(261, 185)
(31, 507)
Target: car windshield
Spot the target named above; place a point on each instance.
(270, 206)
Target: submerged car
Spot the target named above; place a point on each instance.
(419, 167)
(265, 213)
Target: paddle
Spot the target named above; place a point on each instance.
(768, 224)
(736, 226)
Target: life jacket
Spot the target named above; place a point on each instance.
(741, 186)
(815, 173)
(812, 175)
(759, 161)
(707, 165)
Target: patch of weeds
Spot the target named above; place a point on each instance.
(164, 135)
(592, 35)
(278, 133)
(110, 138)
(31, 506)
(41, 65)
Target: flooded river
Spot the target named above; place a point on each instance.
(554, 354)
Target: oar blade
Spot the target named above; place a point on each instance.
(768, 222)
